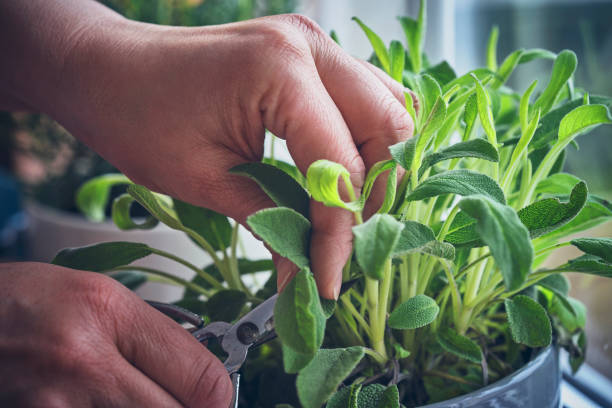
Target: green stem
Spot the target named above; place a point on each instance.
(346, 302)
(205, 275)
(165, 275)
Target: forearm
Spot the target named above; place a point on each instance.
(37, 38)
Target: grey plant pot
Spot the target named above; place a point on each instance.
(536, 385)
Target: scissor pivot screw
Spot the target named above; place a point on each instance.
(247, 333)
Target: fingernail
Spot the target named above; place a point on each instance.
(337, 286)
(283, 282)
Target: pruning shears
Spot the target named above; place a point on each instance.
(253, 329)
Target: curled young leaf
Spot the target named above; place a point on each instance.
(529, 323)
(122, 218)
(92, 197)
(153, 203)
(558, 183)
(322, 179)
(418, 311)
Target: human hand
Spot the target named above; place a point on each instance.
(175, 108)
(71, 338)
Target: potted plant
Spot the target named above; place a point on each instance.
(448, 303)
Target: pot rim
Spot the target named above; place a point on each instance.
(517, 376)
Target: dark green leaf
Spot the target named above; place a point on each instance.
(460, 182)
(478, 148)
(374, 242)
(549, 124)
(529, 323)
(600, 247)
(225, 305)
(549, 214)
(210, 225)
(588, 264)
(319, 379)
(389, 398)
(278, 185)
(556, 283)
(298, 317)
(501, 229)
(92, 197)
(290, 169)
(418, 311)
(155, 206)
(101, 257)
(417, 237)
(459, 345)
(577, 358)
(594, 212)
(285, 230)
(328, 306)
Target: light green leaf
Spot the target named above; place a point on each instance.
(122, 218)
(322, 179)
(548, 130)
(492, 48)
(501, 229)
(286, 231)
(469, 116)
(460, 182)
(429, 92)
(571, 313)
(529, 323)
(400, 352)
(374, 242)
(506, 69)
(459, 345)
(415, 35)
(558, 183)
(524, 107)
(581, 119)
(212, 226)
(298, 317)
(101, 257)
(293, 361)
(283, 189)
(550, 214)
(376, 170)
(536, 53)
(563, 68)
(155, 206)
(328, 306)
(92, 197)
(396, 57)
(379, 47)
(484, 111)
(418, 311)
(417, 237)
(434, 121)
(403, 153)
(478, 148)
(600, 247)
(319, 379)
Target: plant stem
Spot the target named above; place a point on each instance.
(165, 275)
(206, 276)
(346, 302)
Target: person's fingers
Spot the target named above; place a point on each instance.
(167, 354)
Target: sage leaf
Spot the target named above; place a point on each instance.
(283, 189)
(529, 323)
(122, 218)
(374, 241)
(397, 62)
(581, 119)
(417, 237)
(485, 114)
(389, 398)
(478, 148)
(459, 345)
(558, 183)
(319, 379)
(576, 359)
(442, 72)
(548, 214)
(356, 396)
(501, 229)
(212, 226)
(563, 68)
(469, 115)
(100, 257)
(414, 30)
(571, 313)
(600, 247)
(345, 397)
(556, 283)
(460, 182)
(155, 206)
(588, 264)
(328, 306)
(433, 122)
(293, 361)
(594, 212)
(225, 305)
(429, 91)
(506, 68)
(298, 317)
(130, 279)
(548, 130)
(285, 230)
(536, 53)
(403, 153)
(492, 48)
(322, 179)
(92, 197)
(379, 46)
(418, 311)
(288, 168)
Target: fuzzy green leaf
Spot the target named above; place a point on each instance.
(298, 317)
(379, 46)
(328, 306)
(588, 264)
(581, 119)
(529, 323)
(501, 229)
(460, 182)
(429, 92)
(492, 48)
(506, 68)
(459, 345)
(283, 189)
(442, 72)
(155, 205)
(293, 361)
(594, 212)
(92, 197)
(418, 311)
(549, 214)
(389, 398)
(432, 123)
(484, 111)
(212, 226)
(563, 68)
(548, 130)
(319, 379)
(101, 257)
(396, 57)
(414, 30)
(403, 153)
(285, 230)
(288, 168)
(374, 242)
(600, 247)
(225, 305)
(470, 114)
(322, 178)
(417, 237)
(556, 283)
(571, 313)
(478, 148)
(558, 183)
